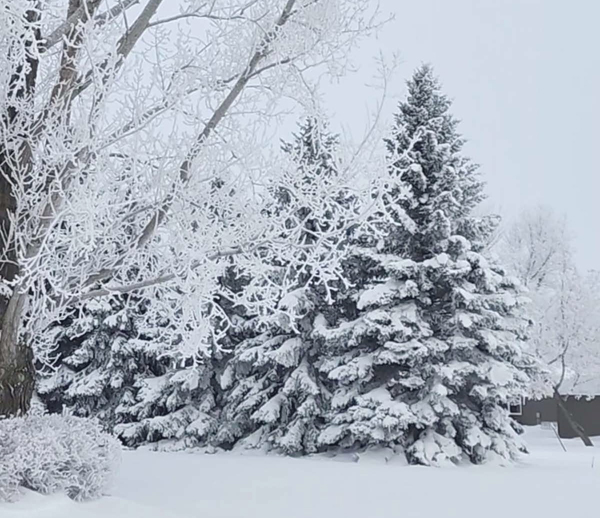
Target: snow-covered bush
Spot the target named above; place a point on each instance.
(53, 453)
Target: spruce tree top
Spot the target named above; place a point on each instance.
(425, 150)
(313, 151)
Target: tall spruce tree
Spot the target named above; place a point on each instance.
(431, 347)
(273, 395)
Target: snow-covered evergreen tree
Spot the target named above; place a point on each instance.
(179, 408)
(430, 348)
(114, 369)
(273, 395)
(96, 363)
(112, 365)
(176, 410)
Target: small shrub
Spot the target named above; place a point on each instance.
(53, 453)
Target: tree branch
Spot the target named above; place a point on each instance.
(185, 168)
(161, 279)
(78, 16)
(125, 45)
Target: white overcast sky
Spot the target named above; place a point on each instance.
(525, 79)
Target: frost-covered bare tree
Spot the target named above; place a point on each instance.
(535, 246)
(569, 332)
(115, 118)
(565, 302)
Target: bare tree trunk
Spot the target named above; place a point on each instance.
(17, 374)
(16, 359)
(571, 420)
(16, 365)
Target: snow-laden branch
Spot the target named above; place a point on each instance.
(150, 164)
(80, 15)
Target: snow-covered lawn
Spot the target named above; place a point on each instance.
(549, 483)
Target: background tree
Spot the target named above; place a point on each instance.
(564, 303)
(536, 247)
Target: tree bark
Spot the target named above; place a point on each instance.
(17, 373)
(577, 428)
(16, 359)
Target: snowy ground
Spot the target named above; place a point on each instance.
(549, 483)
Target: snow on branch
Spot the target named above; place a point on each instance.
(142, 158)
